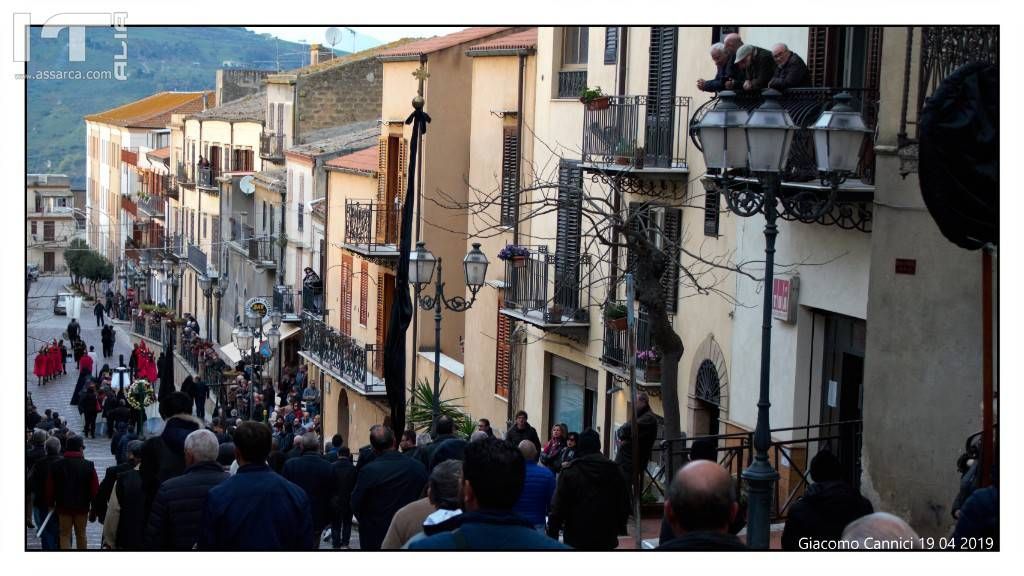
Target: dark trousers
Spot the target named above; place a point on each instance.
(90, 424)
(51, 534)
(99, 320)
(341, 529)
(108, 349)
(200, 407)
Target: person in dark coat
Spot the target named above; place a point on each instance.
(98, 311)
(256, 509)
(647, 424)
(188, 388)
(163, 456)
(174, 521)
(99, 503)
(109, 405)
(756, 65)
(125, 521)
(107, 339)
(493, 474)
(36, 485)
(828, 505)
(89, 407)
(445, 431)
(165, 373)
(74, 330)
(725, 70)
(791, 71)
(70, 488)
(344, 482)
(383, 486)
(590, 478)
(450, 449)
(314, 475)
(84, 376)
(700, 505)
(522, 430)
(63, 357)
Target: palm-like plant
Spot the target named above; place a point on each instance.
(420, 414)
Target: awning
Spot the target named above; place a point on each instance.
(231, 354)
(230, 351)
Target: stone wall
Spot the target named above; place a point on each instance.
(339, 95)
(233, 84)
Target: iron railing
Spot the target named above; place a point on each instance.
(271, 145)
(631, 132)
(370, 224)
(313, 299)
(548, 285)
(615, 351)
(175, 244)
(197, 258)
(154, 330)
(288, 302)
(805, 105)
(263, 250)
(205, 177)
(183, 174)
(341, 354)
(791, 457)
(139, 325)
(571, 83)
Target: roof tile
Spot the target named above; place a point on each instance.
(524, 40)
(153, 111)
(362, 161)
(437, 43)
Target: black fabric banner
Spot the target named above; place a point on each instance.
(402, 308)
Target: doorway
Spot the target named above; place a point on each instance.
(342, 416)
(48, 262)
(843, 390)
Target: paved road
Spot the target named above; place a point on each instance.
(44, 326)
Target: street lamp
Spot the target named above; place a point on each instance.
(247, 337)
(205, 283)
(421, 270)
(763, 150)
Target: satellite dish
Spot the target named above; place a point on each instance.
(246, 185)
(332, 36)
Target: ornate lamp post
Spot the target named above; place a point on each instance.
(206, 284)
(218, 293)
(421, 269)
(759, 141)
(247, 337)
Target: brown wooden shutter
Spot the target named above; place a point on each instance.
(509, 176)
(364, 290)
(403, 169)
(711, 213)
(346, 294)
(820, 41)
(504, 351)
(671, 234)
(381, 320)
(382, 190)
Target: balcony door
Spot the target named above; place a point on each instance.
(385, 299)
(567, 241)
(48, 264)
(661, 96)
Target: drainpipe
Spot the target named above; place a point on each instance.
(519, 143)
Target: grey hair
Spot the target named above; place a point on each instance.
(445, 481)
(880, 526)
(203, 445)
(423, 438)
(310, 442)
(478, 435)
(38, 437)
(135, 448)
(716, 48)
(52, 445)
(780, 45)
(528, 450)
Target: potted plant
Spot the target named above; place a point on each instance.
(594, 98)
(554, 314)
(623, 154)
(638, 158)
(651, 363)
(517, 254)
(615, 315)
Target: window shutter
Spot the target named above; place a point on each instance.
(364, 289)
(567, 241)
(637, 221)
(670, 278)
(509, 176)
(818, 40)
(661, 92)
(346, 294)
(611, 44)
(381, 320)
(711, 213)
(403, 168)
(270, 118)
(504, 351)
(382, 169)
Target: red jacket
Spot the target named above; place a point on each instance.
(85, 364)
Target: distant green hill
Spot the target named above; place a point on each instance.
(159, 58)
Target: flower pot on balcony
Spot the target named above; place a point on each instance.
(652, 373)
(599, 103)
(618, 324)
(554, 315)
(519, 261)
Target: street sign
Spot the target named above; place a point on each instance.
(258, 305)
(785, 296)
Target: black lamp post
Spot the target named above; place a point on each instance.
(174, 273)
(759, 141)
(421, 269)
(247, 337)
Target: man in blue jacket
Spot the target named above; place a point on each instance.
(538, 488)
(493, 474)
(256, 509)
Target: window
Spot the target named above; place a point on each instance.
(567, 240)
(302, 198)
(574, 45)
(346, 294)
(711, 213)
(48, 230)
(39, 202)
(611, 44)
(34, 228)
(263, 222)
(205, 219)
(510, 177)
(844, 56)
(503, 361)
(663, 227)
(718, 33)
(573, 398)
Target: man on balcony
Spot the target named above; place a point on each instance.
(791, 71)
(757, 66)
(722, 58)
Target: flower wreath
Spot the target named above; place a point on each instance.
(133, 394)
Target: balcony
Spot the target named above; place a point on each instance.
(183, 175)
(176, 245)
(571, 83)
(206, 178)
(263, 251)
(197, 258)
(344, 357)
(614, 354)
(547, 290)
(637, 145)
(271, 146)
(372, 230)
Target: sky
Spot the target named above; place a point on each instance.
(365, 36)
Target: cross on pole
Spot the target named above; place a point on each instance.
(421, 74)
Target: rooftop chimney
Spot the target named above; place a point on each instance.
(314, 54)
(206, 95)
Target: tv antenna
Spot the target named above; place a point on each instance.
(332, 37)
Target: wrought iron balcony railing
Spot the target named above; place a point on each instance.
(547, 289)
(271, 145)
(636, 133)
(571, 83)
(197, 258)
(347, 358)
(372, 228)
(206, 177)
(183, 174)
(616, 349)
(288, 302)
(805, 105)
(175, 244)
(263, 251)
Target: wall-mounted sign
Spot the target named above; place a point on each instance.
(906, 266)
(785, 298)
(258, 305)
